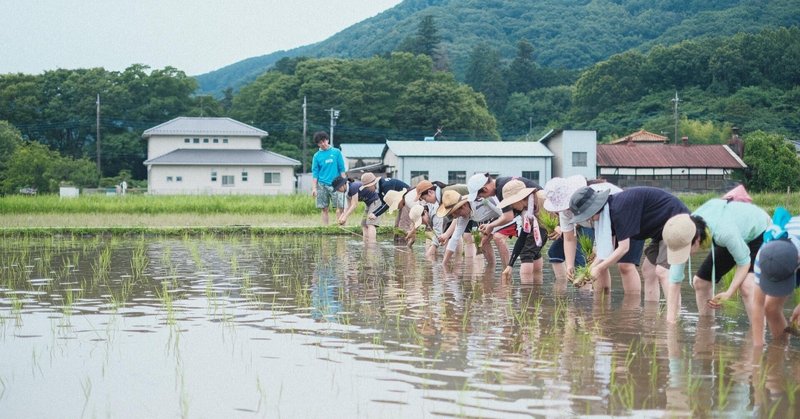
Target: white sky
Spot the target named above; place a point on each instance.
(196, 36)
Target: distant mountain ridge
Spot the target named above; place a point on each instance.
(565, 33)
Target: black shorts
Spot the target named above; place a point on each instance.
(724, 261)
(530, 251)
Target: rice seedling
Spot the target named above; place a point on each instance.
(548, 220)
(792, 390)
(583, 274)
(139, 260)
(723, 387)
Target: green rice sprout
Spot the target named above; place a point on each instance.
(548, 220)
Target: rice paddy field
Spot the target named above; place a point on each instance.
(273, 320)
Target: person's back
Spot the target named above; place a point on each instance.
(641, 212)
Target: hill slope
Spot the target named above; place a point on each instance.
(566, 33)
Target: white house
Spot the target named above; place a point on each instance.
(574, 152)
(456, 161)
(214, 156)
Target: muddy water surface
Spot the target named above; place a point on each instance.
(250, 326)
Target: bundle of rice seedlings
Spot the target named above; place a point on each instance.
(548, 220)
(793, 329)
(583, 274)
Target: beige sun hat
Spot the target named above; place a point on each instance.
(367, 179)
(393, 199)
(451, 201)
(514, 190)
(559, 190)
(678, 233)
(415, 213)
(411, 198)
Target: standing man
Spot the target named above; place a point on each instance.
(326, 166)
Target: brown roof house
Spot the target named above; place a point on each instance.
(676, 167)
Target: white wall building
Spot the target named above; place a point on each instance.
(214, 156)
(574, 152)
(456, 161)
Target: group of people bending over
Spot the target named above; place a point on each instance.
(637, 226)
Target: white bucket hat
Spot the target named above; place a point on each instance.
(559, 190)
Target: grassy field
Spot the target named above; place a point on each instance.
(141, 212)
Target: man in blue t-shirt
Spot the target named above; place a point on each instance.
(326, 166)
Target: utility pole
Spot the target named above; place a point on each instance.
(675, 100)
(334, 117)
(305, 127)
(99, 167)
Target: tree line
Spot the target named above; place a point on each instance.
(748, 80)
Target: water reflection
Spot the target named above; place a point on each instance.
(248, 325)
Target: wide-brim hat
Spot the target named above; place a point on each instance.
(415, 214)
(411, 198)
(678, 233)
(423, 186)
(393, 199)
(475, 183)
(451, 201)
(367, 180)
(338, 182)
(514, 190)
(585, 203)
(777, 261)
(559, 190)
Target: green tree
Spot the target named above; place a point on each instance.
(772, 162)
(485, 75)
(10, 140)
(34, 165)
(522, 72)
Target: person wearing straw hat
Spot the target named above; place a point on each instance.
(483, 186)
(527, 201)
(634, 214)
(372, 201)
(382, 186)
(564, 249)
(737, 230)
(466, 216)
(777, 275)
(432, 195)
(327, 165)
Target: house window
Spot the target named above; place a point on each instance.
(187, 140)
(531, 175)
(227, 180)
(418, 175)
(244, 176)
(272, 178)
(456, 177)
(205, 140)
(578, 159)
(216, 140)
(169, 178)
(196, 141)
(224, 141)
(214, 176)
(178, 178)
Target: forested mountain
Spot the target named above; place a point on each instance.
(570, 34)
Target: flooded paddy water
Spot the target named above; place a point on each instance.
(304, 326)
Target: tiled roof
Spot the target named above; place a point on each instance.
(468, 148)
(642, 136)
(185, 125)
(667, 155)
(204, 157)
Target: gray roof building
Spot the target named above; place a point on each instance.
(225, 157)
(190, 126)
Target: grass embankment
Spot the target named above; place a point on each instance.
(285, 214)
(93, 214)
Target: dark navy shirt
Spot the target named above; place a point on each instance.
(385, 185)
(640, 213)
(365, 196)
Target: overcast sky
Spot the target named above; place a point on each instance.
(196, 36)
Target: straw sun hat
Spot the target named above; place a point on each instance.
(451, 201)
(513, 191)
(367, 180)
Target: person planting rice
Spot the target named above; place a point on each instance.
(777, 275)
(527, 202)
(483, 186)
(466, 216)
(737, 230)
(633, 214)
(566, 256)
